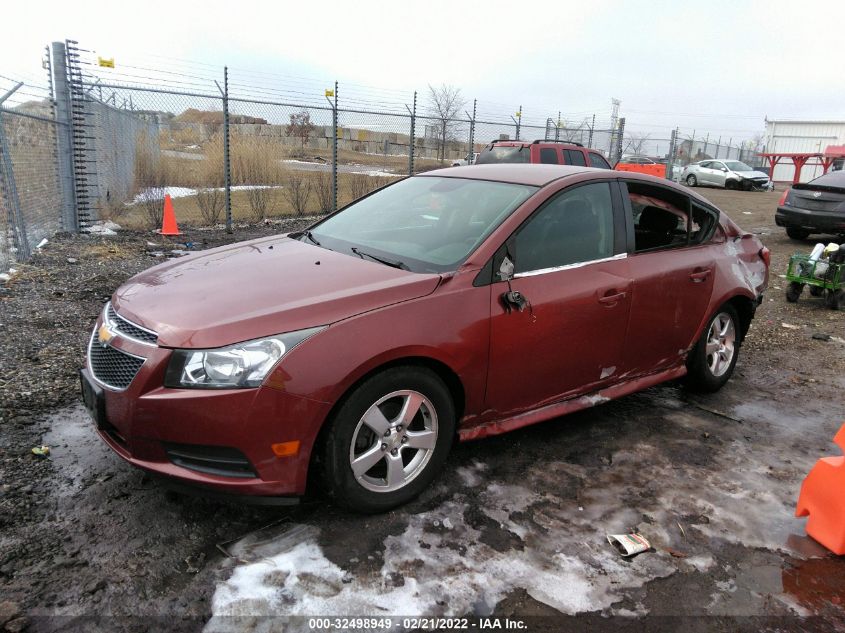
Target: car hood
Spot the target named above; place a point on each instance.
(752, 174)
(258, 288)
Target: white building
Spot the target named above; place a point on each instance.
(804, 137)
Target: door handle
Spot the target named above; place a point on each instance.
(611, 299)
(700, 275)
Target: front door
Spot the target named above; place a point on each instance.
(569, 338)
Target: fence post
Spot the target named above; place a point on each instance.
(671, 156)
(518, 121)
(227, 171)
(334, 150)
(413, 114)
(471, 155)
(64, 139)
(619, 136)
(706, 142)
(590, 138)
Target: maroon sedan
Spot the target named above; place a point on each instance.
(456, 304)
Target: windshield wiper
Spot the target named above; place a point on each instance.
(382, 260)
(311, 237)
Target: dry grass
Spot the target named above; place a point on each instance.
(211, 202)
(297, 191)
(322, 185)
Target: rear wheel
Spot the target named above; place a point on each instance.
(793, 291)
(692, 181)
(835, 299)
(389, 439)
(797, 234)
(711, 362)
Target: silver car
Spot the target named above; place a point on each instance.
(730, 174)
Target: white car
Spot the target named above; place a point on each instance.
(730, 174)
(468, 160)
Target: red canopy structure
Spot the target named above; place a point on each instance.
(799, 159)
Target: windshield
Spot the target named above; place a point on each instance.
(424, 224)
(499, 154)
(735, 165)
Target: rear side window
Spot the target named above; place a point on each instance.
(660, 217)
(506, 154)
(574, 157)
(575, 226)
(703, 223)
(548, 156)
(832, 179)
(597, 160)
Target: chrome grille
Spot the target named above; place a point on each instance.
(128, 328)
(112, 367)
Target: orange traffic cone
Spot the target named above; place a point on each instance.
(168, 223)
(822, 498)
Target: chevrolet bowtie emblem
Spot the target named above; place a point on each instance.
(104, 335)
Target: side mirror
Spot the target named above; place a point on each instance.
(506, 269)
(724, 169)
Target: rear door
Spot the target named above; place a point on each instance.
(673, 270)
(597, 160)
(570, 267)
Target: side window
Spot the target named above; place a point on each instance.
(575, 157)
(660, 217)
(597, 160)
(573, 227)
(548, 156)
(703, 223)
(719, 166)
(707, 164)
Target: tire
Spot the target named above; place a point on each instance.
(816, 291)
(368, 423)
(793, 291)
(692, 181)
(835, 299)
(731, 185)
(708, 372)
(797, 234)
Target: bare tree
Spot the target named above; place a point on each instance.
(445, 103)
(151, 200)
(361, 184)
(635, 143)
(300, 126)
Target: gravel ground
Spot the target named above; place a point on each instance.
(86, 541)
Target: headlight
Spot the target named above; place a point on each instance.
(240, 365)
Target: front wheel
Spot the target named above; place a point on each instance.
(692, 181)
(389, 439)
(711, 362)
(793, 291)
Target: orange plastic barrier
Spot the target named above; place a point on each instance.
(652, 170)
(823, 499)
(168, 221)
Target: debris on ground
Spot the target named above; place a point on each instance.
(41, 451)
(789, 326)
(629, 544)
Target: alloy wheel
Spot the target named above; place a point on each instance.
(393, 441)
(721, 344)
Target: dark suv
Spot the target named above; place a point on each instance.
(539, 151)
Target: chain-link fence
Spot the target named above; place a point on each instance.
(107, 141)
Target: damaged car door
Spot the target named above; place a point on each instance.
(673, 264)
(558, 322)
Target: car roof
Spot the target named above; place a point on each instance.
(519, 173)
(540, 175)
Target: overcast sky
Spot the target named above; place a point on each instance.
(713, 66)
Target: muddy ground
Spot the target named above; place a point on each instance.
(515, 527)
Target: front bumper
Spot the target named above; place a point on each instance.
(152, 427)
(817, 221)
